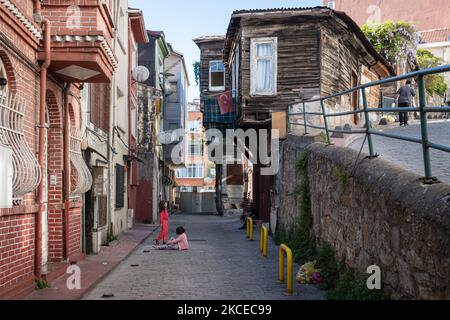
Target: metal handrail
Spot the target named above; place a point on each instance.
(422, 109)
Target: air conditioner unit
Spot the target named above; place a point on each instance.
(130, 218)
(6, 177)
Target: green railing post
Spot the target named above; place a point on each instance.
(368, 125)
(304, 118)
(325, 121)
(424, 127)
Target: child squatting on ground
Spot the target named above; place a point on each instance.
(180, 243)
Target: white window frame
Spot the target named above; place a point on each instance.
(331, 4)
(235, 71)
(253, 64)
(197, 172)
(197, 148)
(216, 88)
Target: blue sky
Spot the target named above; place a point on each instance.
(184, 20)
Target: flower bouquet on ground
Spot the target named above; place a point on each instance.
(308, 274)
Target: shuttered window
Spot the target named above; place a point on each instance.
(120, 186)
(99, 105)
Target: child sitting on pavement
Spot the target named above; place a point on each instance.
(180, 243)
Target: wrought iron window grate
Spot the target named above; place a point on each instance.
(82, 180)
(27, 173)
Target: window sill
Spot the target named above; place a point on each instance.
(261, 94)
(216, 89)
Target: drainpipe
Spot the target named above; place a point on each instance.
(42, 133)
(66, 171)
(37, 11)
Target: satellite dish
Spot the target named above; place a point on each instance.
(140, 74)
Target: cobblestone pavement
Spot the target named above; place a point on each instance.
(409, 155)
(95, 266)
(221, 264)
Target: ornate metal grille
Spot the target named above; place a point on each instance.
(82, 179)
(27, 173)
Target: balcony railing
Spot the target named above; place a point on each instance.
(423, 110)
(26, 170)
(81, 180)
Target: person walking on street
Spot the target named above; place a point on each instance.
(164, 222)
(406, 93)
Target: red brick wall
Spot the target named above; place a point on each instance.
(16, 249)
(18, 51)
(75, 231)
(91, 17)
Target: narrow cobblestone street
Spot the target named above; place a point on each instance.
(409, 155)
(221, 264)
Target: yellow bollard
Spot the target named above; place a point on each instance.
(247, 233)
(249, 225)
(263, 240)
(284, 249)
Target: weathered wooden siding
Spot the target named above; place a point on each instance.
(339, 62)
(298, 63)
(340, 59)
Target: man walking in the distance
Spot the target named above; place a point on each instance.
(406, 92)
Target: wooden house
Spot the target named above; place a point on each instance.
(277, 56)
(214, 80)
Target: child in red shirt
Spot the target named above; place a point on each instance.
(164, 222)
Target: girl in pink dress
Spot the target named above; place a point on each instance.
(181, 242)
(164, 222)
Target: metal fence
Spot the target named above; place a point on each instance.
(422, 109)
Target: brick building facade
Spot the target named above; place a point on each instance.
(423, 14)
(51, 50)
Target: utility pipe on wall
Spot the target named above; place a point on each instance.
(42, 134)
(66, 172)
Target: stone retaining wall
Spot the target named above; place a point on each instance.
(383, 215)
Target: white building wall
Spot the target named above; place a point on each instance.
(119, 115)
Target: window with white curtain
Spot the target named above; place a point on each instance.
(263, 67)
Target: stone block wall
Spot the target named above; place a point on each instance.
(383, 215)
